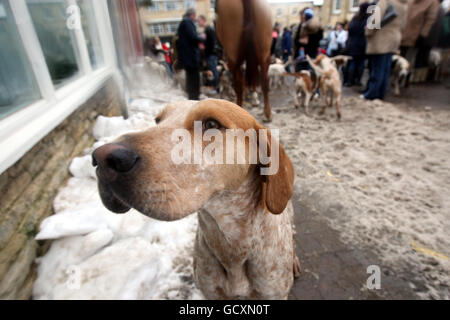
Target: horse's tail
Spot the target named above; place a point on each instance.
(252, 71)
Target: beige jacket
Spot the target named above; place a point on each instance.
(388, 38)
(421, 16)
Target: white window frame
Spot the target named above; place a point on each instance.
(20, 131)
(176, 6)
(168, 27)
(352, 6)
(187, 4)
(161, 28)
(335, 10)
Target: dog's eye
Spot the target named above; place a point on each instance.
(158, 120)
(211, 124)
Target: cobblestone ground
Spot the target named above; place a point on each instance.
(332, 269)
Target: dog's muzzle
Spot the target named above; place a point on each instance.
(113, 162)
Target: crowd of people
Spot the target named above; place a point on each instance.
(407, 27)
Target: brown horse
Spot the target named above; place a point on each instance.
(244, 28)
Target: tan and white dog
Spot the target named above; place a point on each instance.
(244, 248)
(225, 81)
(435, 63)
(329, 82)
(276, 71)
(341, 61)
(400, 72)
(306, 84)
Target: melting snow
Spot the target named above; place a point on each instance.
(97, 254)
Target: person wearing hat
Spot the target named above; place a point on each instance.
(382, 43)
(189, 53)
(308, 34)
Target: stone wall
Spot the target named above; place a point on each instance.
(28, 188)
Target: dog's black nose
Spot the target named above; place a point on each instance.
(114, 156)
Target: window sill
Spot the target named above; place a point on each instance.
(25, 128)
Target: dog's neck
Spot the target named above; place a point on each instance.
(231, 215)
(242, 202)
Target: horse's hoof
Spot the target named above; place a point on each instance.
(267, 119)
(296, 267)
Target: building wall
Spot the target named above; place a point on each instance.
(164, 17)
(288, 13)
(330, 17)
(29, 187)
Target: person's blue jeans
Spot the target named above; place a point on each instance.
(354, 70)
(211, 62)
(380, 70)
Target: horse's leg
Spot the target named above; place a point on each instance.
(338, 105)
(265, 89)
(238, 83)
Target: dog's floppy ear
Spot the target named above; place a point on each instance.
(277, 188)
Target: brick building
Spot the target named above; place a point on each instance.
(333, 11)
(163, 16)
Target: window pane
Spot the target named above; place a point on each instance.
(57, 41)
(91, 33)
(172, 27)
(18, 86)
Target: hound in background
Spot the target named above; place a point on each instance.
(305, 84)
(276, 71)
(435, 63)
(225, 81)
(341, 61)
(330, 82)
(207, 79)
(400, 69)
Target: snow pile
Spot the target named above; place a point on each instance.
(97, 254)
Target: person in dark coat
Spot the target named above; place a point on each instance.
(286, 44)
(356, 47)
(189, 53)
(307, 36)
(210, 49)
(275, 36)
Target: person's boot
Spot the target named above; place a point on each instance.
(415, 75)
(424, 75)
(419, 75)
